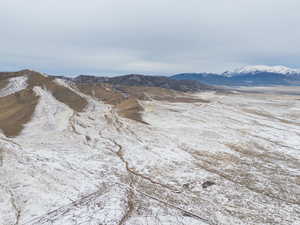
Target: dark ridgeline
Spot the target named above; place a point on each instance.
(144, 81)
(243, 79)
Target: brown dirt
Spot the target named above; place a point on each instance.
(16, 110)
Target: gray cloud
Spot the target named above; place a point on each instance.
(154, 37)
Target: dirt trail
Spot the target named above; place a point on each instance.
(132, 190)
(14, 204)
(120, 154)
(130, 203)
(54, 215)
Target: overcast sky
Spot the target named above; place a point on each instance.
(160, 37)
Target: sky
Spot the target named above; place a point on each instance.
(155, 37)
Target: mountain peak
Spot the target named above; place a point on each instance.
(263, 68)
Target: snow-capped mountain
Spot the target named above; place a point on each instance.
(248, 76)
(264, 69)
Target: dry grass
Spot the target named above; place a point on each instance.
(160, 94)
(146, 93)
(61, 93)
(16, 110)
(103, 92)
(130, 108)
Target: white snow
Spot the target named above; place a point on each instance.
(50, 115)
(15, 84)
(262, 68)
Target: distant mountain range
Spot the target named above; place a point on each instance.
(185, 82)
(144, 81)
(247, 76)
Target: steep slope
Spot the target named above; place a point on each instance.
(131, 109)
(18, 98)
(16, 110)
(13, 85)
(61, 93)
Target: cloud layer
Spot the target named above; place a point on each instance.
(108, 37)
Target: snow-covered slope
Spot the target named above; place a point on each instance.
(226, 159)
(14, 85)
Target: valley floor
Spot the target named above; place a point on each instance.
(233, 159)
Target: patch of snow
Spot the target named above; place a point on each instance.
(62, 82)
(15, 84)
(50, 115)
